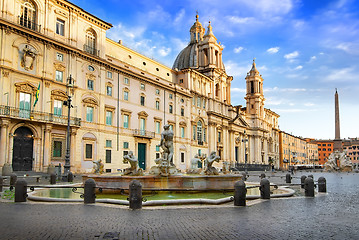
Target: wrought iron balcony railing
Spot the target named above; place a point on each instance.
(143, 133)
(200, 142)
(37, 116)
(91, 50)
(29, 24)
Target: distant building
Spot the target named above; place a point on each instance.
(351, 146)
(293, 150)
(325, 148)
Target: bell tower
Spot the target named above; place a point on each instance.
(197, 31)
(254, 97)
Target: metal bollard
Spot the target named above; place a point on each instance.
(263, 175)
(135, 197)
(322, 184)
(20, 190)
(70, 177)
(13, 179)
(309, 187)
(89, 191)
(240, 193)
(244, 176)
(288, 178)
(302, 179)
(1, 183)
(265, 188)
(53, 178)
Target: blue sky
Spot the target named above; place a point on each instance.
(304, 49)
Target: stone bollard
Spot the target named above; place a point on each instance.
(311, 176)
(309, 187)
(13, 179)
(53, 178)
(20, 190)
(135, 197)
(70, 177)
(89, 191)
(265, 188)
(288, 178)
(1, 183)
(244, 176)
(263, 175)
(302, 179)
(240, 193)
(322, 184)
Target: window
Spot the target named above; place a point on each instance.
(158, 127)
(198, 102)
(199, 131)
(204, 103)
(193, 101)
(171, 127)
(125, 120)
(25, 105)
(125, 95)
(90, 84)
(28, 15)
(157, 105)
(108, 156)
(58, 107)
(57, 150)
(60, 27)
(126, 81)
(125, 153)
(170, 96)
(59, 76)
(125, 145)
(91, 68)
(182, 112)
(109, 118)
(204, 134)
(142, 100)
(109, 74)
(89, 114)
(181, 81)
(170, 109)
(90, 45)
(142, 87)
(157, 92)
(157, 151)
(182, 157)
(182, 132)
(109, 90)
(88, 154)
(194, 132)
(60, 57)
(142, 125)
(108, 143)
(219, 137)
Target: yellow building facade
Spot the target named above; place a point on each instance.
(121, 99)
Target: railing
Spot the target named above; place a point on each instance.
(252, 167)
(200, 142)
(143, 133)
(37, 116)
(91, 50)
(28, 24)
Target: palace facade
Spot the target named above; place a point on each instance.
(121, 99)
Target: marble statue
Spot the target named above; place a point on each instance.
(98, 166)
(338, 161)
(210, 170)
(194, 169)
(133, 170)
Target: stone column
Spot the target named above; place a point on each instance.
(75, 165)
(47, 146)
(3, 141)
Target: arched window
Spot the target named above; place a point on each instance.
(199, 131)
(217, 90)
(90, 45)
(27, 16)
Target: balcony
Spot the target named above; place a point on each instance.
(29, 24)
(200, 143)
(91, 50)
(17, 113)
(143, 133)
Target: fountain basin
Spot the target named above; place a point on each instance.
(175, 182)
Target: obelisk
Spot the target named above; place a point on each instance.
(338, 146)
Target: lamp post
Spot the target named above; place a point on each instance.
(245, 140)
(69, 89)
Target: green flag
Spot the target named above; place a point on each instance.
(37, 95)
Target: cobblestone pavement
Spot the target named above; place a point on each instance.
(327, 216)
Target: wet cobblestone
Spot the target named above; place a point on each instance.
(327, 216)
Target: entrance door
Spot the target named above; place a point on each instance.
(22, 149)
(142, 155)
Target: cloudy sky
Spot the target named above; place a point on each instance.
(304, 49)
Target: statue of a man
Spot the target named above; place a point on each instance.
(167, 143)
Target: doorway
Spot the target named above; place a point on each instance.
(142, 155)
(22, 156)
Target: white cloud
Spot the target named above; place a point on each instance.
(238, 90)
(272, 7)
(292, 55)
(309, 104)
(299, 67)
(239, 20)
(342, 75)
(273, 50)
(179, 17)
(313, 58)
(234, 69)
(277, 89)
(164, 51)
(238, 49)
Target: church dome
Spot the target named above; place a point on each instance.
(187, 58)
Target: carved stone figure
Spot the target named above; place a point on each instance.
(338, 161)
(28, 58)
(98, 166)
(194, 165)
(133, 170)
(225, 167)
(210, 160)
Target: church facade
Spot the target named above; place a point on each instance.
(120, 99)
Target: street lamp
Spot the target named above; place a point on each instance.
(245, 140)
(69, 92)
